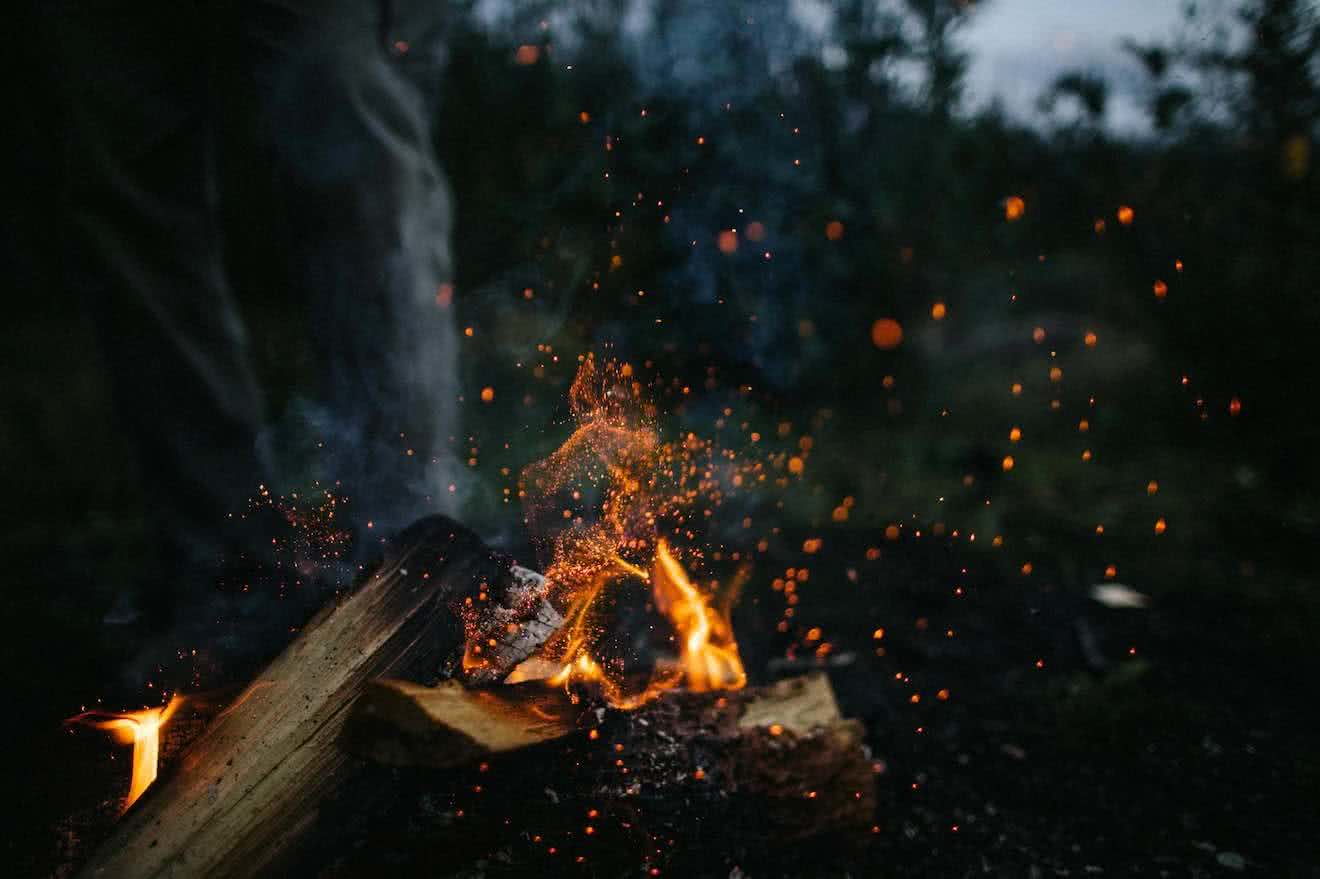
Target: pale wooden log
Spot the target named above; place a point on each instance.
(246, 790)
(400, 723)
(798, 705)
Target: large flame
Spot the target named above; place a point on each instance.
(142, 730)
(710, 653)
(613, 496)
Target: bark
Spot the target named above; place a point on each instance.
(248, 788)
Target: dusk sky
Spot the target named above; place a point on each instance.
(1019, 47)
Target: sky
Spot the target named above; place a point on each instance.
(1019, 46)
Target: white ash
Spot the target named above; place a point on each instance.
(520, 625)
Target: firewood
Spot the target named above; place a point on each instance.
(769, 779)
(405, 724)
(521, 620)
(245, 791)
(401, 723)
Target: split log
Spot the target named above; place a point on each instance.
(771, 780)
(400, 723)
(242, 795)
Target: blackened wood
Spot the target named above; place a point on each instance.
(771, 780)
(510, 630)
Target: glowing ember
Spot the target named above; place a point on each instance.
(886, 333)
(141, 729)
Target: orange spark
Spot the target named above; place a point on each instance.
(886, 333)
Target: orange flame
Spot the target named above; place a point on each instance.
(710, 653)
(640, 487)
(141, 729)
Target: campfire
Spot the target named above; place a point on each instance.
(450, 656)
(646, 487)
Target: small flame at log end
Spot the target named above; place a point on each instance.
(141, 729)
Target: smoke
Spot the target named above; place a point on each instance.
(357, 216)
(352, 137)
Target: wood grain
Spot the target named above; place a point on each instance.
(247, 789)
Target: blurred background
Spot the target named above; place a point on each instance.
(1016, 301)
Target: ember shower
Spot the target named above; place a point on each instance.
(652, 494)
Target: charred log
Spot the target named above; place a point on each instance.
(771, 780)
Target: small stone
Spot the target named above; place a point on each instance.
(1231, 861)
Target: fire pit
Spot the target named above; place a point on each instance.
(358, 746)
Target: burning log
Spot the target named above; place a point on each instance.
(742, 776)
(502, 636)
(248, 788)
(692, 782)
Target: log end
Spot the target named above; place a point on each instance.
(399, 723)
